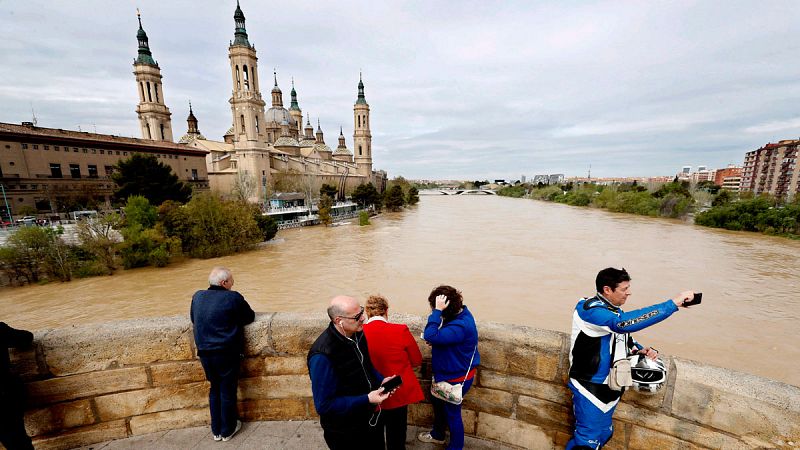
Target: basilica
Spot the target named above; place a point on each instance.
(265, 150)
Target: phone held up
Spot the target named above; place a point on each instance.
(698, 297)
(392, 384)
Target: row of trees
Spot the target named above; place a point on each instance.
(669, 200)
(398, 194)
(162, 221)
(764, 214)
(205, 227)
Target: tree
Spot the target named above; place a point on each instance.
(723, 198)
(325, 205)
(413, 196)
(329, 190)
(266, 224)
(366, 195)
(217, 227)
(100, 238)
(394, 199)
(244, 186)
(146, 176)
(139, 211)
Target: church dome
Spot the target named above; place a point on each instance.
(278, 115)
(322, 148)
(286, 141)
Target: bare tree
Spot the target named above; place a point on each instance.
(244, 186)
(100, 238)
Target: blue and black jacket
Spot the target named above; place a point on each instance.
(595, 325)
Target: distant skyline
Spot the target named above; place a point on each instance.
(457, 90)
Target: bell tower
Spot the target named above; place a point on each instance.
(362, 139)
(154, 116)
(247, 107)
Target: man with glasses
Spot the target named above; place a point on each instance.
(219, 315)
(345, 385)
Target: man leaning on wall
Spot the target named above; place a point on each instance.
(219, 315)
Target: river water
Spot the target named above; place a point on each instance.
(515, 260)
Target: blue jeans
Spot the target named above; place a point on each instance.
(447, 415)
(222, 370)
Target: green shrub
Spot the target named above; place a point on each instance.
(363, 218)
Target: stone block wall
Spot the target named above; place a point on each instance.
(95, 383)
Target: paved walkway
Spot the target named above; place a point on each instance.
(300, 435)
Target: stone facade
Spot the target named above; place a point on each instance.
(94, 383)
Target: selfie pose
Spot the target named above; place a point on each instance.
(394, 352)
(453, 336)
(599, 355)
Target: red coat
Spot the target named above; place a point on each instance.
(394, 351)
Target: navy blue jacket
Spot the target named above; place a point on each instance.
(219, 317)
(452, 344)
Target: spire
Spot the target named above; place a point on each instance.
(145, 57)
(309, 130)
(295, 106)
(320, 138)
(192, 121)
(277, 95)
(240, 36)
(361, 100)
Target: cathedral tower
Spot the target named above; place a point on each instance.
(154, 116)
(295, 110)
(247, 107)
(362, 139)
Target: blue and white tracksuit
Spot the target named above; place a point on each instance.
(600, 332)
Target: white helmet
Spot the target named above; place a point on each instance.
(648, 375)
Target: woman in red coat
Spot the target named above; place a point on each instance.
(393, 351)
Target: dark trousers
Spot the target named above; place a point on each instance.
(12, 429)
(395, 422)
(222, 370)
(447, 415)
(369, 438)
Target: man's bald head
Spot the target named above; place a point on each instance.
(341, 305)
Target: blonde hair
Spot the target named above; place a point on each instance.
(377, 305)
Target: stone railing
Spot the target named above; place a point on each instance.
(95, 383)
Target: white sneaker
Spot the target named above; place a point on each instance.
(426, 437)
(238, 427)
(217, 437)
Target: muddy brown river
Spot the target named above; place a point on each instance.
(516, 261)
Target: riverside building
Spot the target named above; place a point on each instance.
(771, 169)
(54, 170)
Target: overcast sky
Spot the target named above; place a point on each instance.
(465, 90)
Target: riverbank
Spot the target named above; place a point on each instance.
(762, 214)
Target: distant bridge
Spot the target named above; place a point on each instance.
(457, 192)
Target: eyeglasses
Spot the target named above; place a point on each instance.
(357, 317)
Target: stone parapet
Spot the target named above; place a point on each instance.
(93, 383)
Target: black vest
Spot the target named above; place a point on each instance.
(354, 372)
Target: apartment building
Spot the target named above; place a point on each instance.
(771, 169)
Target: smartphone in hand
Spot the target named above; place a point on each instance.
(392, 384)
(698, 297)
